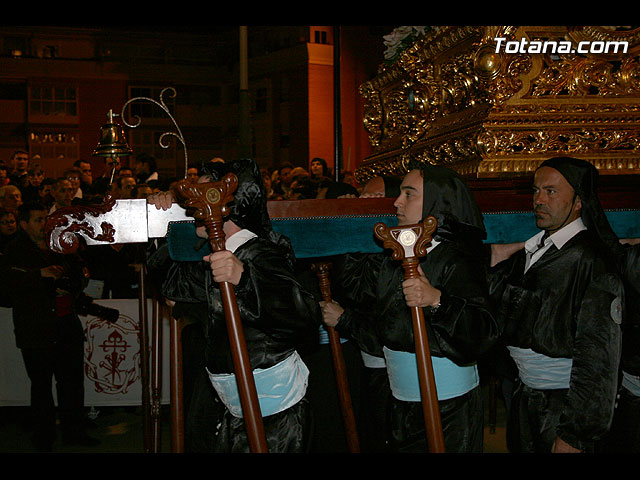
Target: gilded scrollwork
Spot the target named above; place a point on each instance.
(579, 76)
(454, 98)
(566, 142)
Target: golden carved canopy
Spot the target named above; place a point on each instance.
(452, 99)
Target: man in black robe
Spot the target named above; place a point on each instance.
(560, 300)
(372, 300)
(624, 436)
(279, 317)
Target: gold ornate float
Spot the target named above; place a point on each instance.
(453, 98)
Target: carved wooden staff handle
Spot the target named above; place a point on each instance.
(209, 201)
(344, 393)
(408, 243)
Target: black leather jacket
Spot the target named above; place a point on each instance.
(631, 317)
(38, 319)
(278, 315)
(568, 305)
(369, 287)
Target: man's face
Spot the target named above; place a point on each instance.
(85, 173)
(21, 162)
(12, 198)
(409, 203)
(141, 167)
(62, 193)
(8, 224)
(192, 175)
(143, 192)
(45, 190)
(111, 164)
(285, 176)
(127, 185)
(35, 226)
(554, 201)
(74, 179)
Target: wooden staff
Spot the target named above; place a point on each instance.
(408, 243)
(144, 359)
(156, 377)
(177, 412)
(209, 201)
(346, 407)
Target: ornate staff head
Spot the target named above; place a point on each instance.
(407, 241)
(208, 201)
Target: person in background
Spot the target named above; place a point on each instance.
(8, 227)
(44, 192)
(142, 190)
(124, 187)
(126, 172)
(193, 173)
(319, 168)
(4, 175)
(282, 184)
(146, 168)
(62, 193)
(381, 186)
(44, 288)
(86, 175)
(19, 168)
(102, 183)
(10, 197)
(73, 174)
(268, 185)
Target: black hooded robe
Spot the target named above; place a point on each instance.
(567, 305)
(278, 315)
(461, 329)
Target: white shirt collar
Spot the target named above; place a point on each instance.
(558, 238)
(434, 244)
(238, 239)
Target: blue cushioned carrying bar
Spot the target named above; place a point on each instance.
(323, 236)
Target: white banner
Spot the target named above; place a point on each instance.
(112, 361)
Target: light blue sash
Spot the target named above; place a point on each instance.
(279, 387)
(451, 380)
(631, 383)
(539, 371)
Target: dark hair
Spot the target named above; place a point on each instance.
(323, 162)
(285, 165)
(4, 211)
(16, 152)
(24, 210)
(46, 181)
(148, 159)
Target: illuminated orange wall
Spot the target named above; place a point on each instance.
(321, 134)
(358, 63)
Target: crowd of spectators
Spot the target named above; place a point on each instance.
(23, 180)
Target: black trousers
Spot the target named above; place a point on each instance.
(624, 436)
(65, 363)
(462, 424)
(288, 431)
